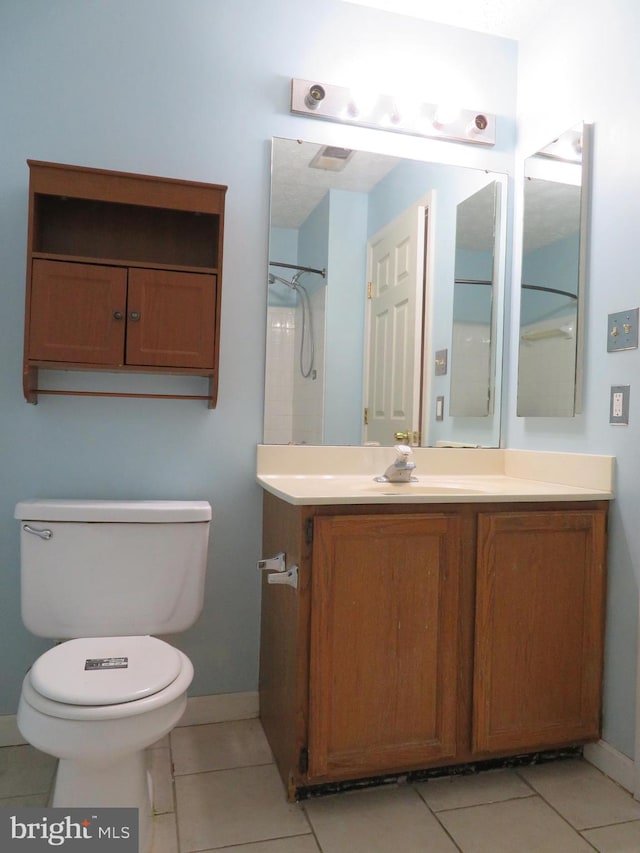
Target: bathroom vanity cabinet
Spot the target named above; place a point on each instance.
(429, 635)
(123, 274)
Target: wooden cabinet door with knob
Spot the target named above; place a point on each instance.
(384, 643)
(539, 629)
(171, 318)
(77, 313)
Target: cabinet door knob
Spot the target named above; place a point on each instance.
(134, 315)
(117, 315)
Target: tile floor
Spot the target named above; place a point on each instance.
(225, 794)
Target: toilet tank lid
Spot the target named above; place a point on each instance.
(148, 512)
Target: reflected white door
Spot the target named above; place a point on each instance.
(396, 270)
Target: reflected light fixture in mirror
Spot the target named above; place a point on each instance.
(553, 281)
(388, 112)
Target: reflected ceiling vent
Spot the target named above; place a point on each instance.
(331, 159)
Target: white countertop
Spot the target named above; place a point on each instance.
(306, 475)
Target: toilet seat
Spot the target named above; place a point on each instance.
(68, 711)
(105, 670)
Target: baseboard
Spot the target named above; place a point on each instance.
(612, 763)
(220, 708)
(200, 710)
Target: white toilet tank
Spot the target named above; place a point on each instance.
(112, 568)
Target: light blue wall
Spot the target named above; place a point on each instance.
(193, 89)
(560, 84)
(283, 247)
(346, 272)
(313, 243)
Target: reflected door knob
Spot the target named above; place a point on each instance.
(404, 437)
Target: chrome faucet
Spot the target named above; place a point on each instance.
(402, 469)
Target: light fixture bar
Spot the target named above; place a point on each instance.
(389, 112)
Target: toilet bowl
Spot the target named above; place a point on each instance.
(101, 746)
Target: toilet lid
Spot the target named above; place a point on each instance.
(105, 670)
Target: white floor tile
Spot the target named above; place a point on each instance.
(25, 771)
(558, 807)
(165, 834)
(37, 800)
(581, 793)
(219, 746)
(236, 806)
(379, 820)
(620, 838)
(458, 791)
(515, 826)
(296, 844)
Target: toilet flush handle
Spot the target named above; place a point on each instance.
(43, 533)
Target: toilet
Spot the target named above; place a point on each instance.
(104, 576)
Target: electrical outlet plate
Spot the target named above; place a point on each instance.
(622, 330)
(619, 404)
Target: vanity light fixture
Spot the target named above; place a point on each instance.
(386, 112)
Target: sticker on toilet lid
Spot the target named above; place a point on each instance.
(106, 663)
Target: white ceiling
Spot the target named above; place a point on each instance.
(296, 189)
(511, 19)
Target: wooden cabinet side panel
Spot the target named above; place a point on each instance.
(384, 643)
(284, 641)
(539, 629)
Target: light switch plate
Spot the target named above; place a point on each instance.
(439, 408)
(441, 362)
(622, 330)
(619, 405)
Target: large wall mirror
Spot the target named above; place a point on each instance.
(555, 221)
(385, 300)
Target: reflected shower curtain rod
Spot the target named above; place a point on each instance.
(549, 290)
(323, 273)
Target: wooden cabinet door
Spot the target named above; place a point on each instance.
(77, 313)
(171, 319)
(539, 629)
(384, 643)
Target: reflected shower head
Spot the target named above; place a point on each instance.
(291, 284)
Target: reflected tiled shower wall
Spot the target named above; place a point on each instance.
(308, 393)
(294, 404)
(280, 360)
(470, 353)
